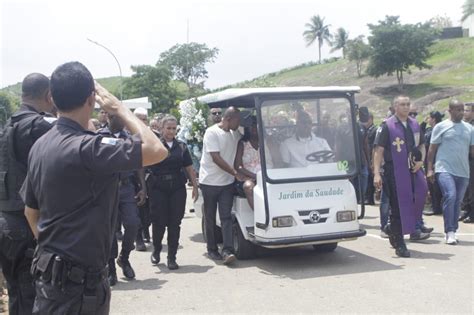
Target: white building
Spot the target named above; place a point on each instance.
(134, 103)
(468, 26)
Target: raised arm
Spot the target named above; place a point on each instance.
(153, 151)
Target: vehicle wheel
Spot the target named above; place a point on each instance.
(217, 231)
(326, 248)
(243, 249)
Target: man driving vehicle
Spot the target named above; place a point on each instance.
(295, 150)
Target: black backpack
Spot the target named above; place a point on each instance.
(12, 171)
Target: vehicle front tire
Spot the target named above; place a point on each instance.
(325, 248)
(243, 249)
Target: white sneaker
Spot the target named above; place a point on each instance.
(451, 238)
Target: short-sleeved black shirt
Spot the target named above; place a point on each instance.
(383, 139)
(73, 181)
(178, 158)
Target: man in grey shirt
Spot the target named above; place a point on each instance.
(451, 141)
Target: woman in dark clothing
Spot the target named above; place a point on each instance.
(167, 192)
(435, 192)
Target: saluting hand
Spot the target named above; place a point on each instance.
(105, 99)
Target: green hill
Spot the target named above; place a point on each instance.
(452, 75)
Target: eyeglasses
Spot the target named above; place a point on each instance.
(412, 114)
(216, 113)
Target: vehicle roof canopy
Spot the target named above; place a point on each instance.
(244, 97)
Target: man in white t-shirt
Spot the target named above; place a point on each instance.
(295, 149)
(216, 178)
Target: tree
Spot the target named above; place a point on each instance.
(187, 63)
(467, 9)
(340, 41)
(358, 51)
(439, 22)
(317, 30)
(397, 47)
(7, 106)
(153, 82)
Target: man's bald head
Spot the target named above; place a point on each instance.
(35, 86)
(231, 118)
(455, 103)
(231, 112)
(456, 110)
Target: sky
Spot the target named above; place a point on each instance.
(253, 37)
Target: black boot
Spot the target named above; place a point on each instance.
(112, 273)
(391, 237)
(155, 258)
(401, 249)
(127, 269)
(172, 265)
(139, 243)
(146, 235)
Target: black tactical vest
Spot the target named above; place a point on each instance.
(13, 171)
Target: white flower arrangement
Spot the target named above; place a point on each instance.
(192, 122)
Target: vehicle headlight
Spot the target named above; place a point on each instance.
(345, 216)
(285, 221)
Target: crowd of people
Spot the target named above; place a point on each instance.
(69, 183)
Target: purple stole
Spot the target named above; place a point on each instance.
(411, 198)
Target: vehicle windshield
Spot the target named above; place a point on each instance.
(308, 138)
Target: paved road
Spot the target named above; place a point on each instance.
(362, 276)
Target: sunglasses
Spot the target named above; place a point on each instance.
(412, 114)
(216, 113)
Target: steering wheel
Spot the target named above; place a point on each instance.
(320, 156)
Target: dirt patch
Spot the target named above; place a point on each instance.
(438, 95)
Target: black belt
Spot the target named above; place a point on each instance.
(167, 176)
(52, 267)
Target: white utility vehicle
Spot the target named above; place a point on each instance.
(311, 201)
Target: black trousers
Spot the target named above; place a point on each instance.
(436, 196)
(54, 299)
(468, 201)
(369, 195)
(16, 252)
(128, 215)
(391, 190)
(167, 200)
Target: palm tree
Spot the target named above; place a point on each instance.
(317, 30)
(467, 9)
(340, 41)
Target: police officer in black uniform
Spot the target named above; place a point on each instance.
(129, 200)
(71, 194)
(167, 192)
(17, 244)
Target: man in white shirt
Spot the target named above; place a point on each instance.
(216, 178)
(295, 149)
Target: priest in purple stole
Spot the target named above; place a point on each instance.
(400, 145)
